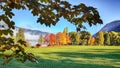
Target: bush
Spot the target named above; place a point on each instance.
(32, 46)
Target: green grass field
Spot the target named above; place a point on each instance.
(72, 57)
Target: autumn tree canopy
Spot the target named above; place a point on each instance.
(49, 13)
(50, 39)
(61, 38)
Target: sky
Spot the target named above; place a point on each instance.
(108, 9)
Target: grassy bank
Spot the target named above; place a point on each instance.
(71, 57)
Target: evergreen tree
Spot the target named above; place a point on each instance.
(106, 39)
(72, 37)
(65, 31)
(20, 34)
(77, 38)
(41, 39)
(113, 38)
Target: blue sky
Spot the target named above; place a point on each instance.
(109, 11)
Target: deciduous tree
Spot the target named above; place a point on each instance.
(50, 39)
(60, 38)
(68, 39)
(72, 37)
(91, 41)
(77, 38)
(100, 38)
(85, 37)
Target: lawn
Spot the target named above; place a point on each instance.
(71, 57)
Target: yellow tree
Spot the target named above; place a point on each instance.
(60, 38)
(91, 41)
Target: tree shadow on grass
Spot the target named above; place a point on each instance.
(99, 53)
(44, 63)
(68, 62)
(105, 50)
(113, 55)
(47, 63)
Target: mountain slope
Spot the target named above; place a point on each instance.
(112, 26)
(31, 35)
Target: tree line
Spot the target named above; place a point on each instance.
(75, 38)
(108, 38)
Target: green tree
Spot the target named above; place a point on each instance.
(77, 38)
(41, 39)
(44, 10)
(100, 38)
(20, 34)
(115, 38)
(72, 37)
(107, 38)
(65, 30)
(85, 37)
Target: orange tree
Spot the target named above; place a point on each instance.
(61, 38)
(50, 39)
(68, 39)
(49, 12)
(91, 41)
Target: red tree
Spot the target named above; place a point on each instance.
(50, 39)
(67, 39)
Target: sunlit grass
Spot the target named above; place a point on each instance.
(72, 57)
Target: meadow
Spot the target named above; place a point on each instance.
(71, 57)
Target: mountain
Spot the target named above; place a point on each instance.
(4, 26)
(31, 36)
(112, 26)
(30, 32)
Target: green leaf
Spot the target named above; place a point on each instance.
(7, 61)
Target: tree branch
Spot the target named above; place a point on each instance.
(2, 1)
